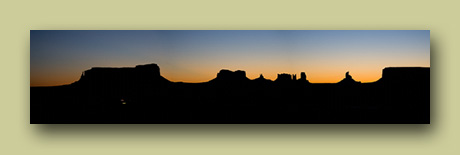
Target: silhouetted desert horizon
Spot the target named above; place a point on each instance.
(285, 76)
(141, 95)
(280, 76)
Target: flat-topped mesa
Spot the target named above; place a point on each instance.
(126, 76)
(405, 75)
(292, 78)
(227, 75)
(285, 77)
(151, 68)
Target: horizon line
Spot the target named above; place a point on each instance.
(221, 70)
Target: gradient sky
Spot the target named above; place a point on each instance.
(59, 57)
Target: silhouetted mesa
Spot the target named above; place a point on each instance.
(227, 75)
(405, 75)
(141, 95)
(149, 73)
(285, 77)
(119, 81)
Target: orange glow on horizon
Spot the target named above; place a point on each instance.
(321, 76)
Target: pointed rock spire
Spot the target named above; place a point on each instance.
(348, 79)
(261, 76)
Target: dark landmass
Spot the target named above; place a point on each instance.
(141, 95)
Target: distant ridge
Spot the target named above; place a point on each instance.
(149, 74)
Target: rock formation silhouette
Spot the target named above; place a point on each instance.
(122, 77)
(261, 78)
(227, 75)
(126, 80)
(303, 76)
(141, 95)
(303, 79)
(284, 77)
(348, 79)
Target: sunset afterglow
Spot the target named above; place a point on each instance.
(59, 57)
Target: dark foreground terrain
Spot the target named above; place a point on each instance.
(142, 95)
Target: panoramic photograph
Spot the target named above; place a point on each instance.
(229, 76)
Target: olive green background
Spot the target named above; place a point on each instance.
(19, 137)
